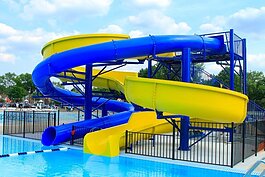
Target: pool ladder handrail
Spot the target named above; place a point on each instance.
(248, 174)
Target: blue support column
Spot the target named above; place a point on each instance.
(184, 133)
(149, 68)
(232, 60)
(88, 92)
(185, 120)
(104, 111)
(244, 66)
(185, 65)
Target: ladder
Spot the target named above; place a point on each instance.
(248, 174)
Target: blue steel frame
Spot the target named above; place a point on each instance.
(231, 58)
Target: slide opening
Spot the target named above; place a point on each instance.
(48, 136)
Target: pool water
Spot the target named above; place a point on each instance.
(10, 145)
(76, 163)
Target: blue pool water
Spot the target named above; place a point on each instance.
(75, 163)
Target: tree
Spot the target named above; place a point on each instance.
(163, 72)
(6, 81)
(256, 87)
(224, 77)
(16, 93)
(25, 81)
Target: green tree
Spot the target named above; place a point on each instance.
(224, 77)
(6, 81)
(25, 81)
(163, 73)
(16, 93)
(256, 87)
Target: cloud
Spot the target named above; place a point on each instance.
(152, 3)
(64, 9)
(16, 43)
(136, 33)
(6, 30)
(248, 21)
(154, 21)
(256, 62)
(6, 57)
(111, 29)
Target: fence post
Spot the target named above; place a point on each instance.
(24, 124)
(4, 122)
(33, 121)
(243, 141)
(256, 138)
(173, 143)
(126, 141)
(54, 119)
(48, 119)
(58, 117)
(232, 145)
(72, 135)
(78, 115)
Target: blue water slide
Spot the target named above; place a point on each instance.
(104, 52)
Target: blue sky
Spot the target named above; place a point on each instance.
(26, 25)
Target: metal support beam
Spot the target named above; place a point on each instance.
(104, 111)
(149, 68)
(184, 133)
(88, 92)
(232, 60)
(244, 66)
(185, 65)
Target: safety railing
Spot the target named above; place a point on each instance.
(210, 144)
(27, 124)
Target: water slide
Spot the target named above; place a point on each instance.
(208, 103)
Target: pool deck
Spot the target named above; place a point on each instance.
(249, 162)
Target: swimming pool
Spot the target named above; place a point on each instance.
(75, 163)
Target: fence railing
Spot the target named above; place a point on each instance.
(27, 124)
(210, 144)
(254, 112)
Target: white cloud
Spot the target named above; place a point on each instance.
(65, 9)
(154, 21)
(6, 57)
(256, 62)
(17, 43)
(136, 33)
(208, 28)
(152, 3)
(249, 21)
(111, 29)
(212, 68)
(6, 30)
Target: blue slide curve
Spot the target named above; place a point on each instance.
(104, 52)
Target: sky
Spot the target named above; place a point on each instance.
(26, 25)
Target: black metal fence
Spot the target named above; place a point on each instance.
(27, 124)
(211, 144)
